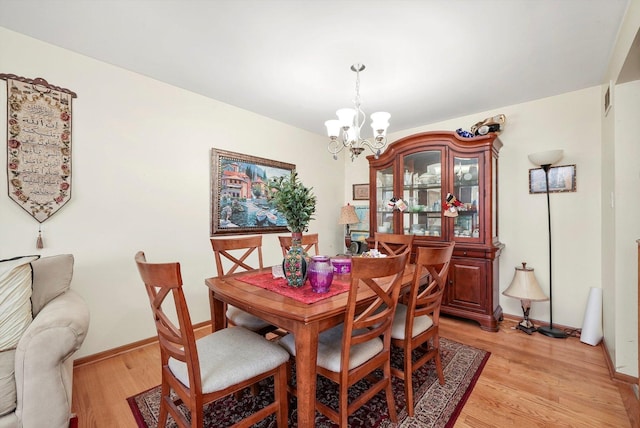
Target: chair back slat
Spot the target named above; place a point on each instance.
(236, 251)
(393, 243)
(308, 242)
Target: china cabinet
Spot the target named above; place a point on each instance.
(409, 184)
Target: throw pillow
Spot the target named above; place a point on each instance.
(7, 382)
(51, 277)
(15, 300)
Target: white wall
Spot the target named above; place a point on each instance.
(140, 160)
(618, 302)
(627, 230)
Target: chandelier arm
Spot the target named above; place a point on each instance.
(375, 145)
(336, 146)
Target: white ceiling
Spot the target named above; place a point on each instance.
(427, 60)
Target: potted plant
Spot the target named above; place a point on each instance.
(297, 204)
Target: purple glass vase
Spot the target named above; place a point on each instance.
(320, 273)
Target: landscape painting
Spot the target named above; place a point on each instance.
(239, 193)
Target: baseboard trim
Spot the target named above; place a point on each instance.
(101, 356)
(538, 323)
(612, 368)
(621, 377)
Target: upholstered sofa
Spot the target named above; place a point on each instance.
(49, 321)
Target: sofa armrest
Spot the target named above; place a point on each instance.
(44, 369)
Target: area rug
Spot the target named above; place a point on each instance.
(436, 405)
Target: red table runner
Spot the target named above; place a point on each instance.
(302, 294)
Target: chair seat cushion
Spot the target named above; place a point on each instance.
(330, 349)
(230, 356)
(245, 319)
(420, 324)
(7, 382)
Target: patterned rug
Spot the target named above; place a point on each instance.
(436, 405)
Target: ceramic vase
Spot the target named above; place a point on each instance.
(295, 263)
(320, 274)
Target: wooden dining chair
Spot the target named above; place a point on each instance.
(393, 243)
(237, 251)
(212, 367)
(308, 242)
(356, 348)
(417, 322)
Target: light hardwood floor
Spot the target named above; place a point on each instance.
(529, 381)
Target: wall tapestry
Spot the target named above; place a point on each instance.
(38, 145)
(239, 202)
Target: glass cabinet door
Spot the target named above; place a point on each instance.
(384, 193)
(421, 191)
(466, 185)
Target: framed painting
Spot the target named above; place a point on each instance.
(239, 202)
(561, 179)
(359, 235)
(363, 216)
(361, 192)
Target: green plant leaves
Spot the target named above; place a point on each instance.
(296, 202)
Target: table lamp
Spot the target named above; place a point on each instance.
(348, 216)
(525, 287)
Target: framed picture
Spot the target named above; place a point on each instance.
(361, 192)
(239, 203)
(363, 216)
(359, 235)
(561, 179)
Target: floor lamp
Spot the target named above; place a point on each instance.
(544, 160)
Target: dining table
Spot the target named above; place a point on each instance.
(299, 311)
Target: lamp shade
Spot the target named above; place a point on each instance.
(333, 127)
(346, 116)
(348, 215)
(524, 286)
(380, 122)
(548, 157)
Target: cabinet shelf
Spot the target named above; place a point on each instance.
(422, 186)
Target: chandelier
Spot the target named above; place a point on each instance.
(344, 132)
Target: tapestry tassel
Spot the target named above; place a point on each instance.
(39, 244)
